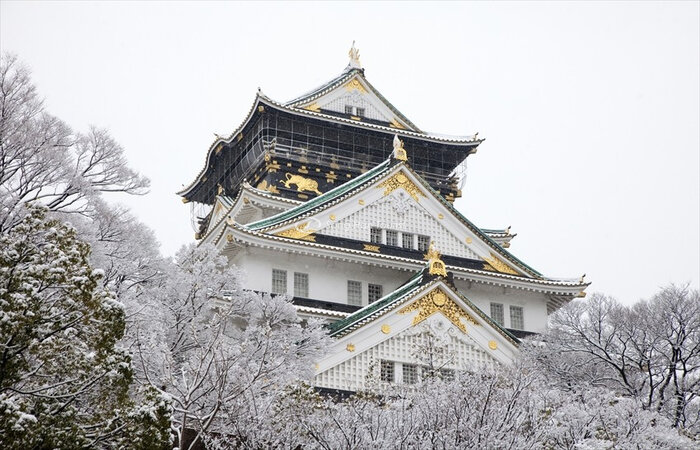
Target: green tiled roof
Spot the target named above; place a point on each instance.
(406, 290)
(320, 200)
(473, 227)
(370, 309)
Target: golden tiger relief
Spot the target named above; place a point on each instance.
(303, 184)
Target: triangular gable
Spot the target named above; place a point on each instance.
(344, 203)
(351, 89)
(406, 316)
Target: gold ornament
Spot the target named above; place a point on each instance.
(435, 265)
(303, 184)
(386, 329)
(437, 300)
(495, 265)
(399, 180)
(301, 231)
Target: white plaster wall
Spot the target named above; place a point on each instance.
(328, 280)
(534, 304)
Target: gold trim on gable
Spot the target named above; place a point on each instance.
(437, 300)
(355, 84)
(301, 231)
(496, 265)
(399, 180)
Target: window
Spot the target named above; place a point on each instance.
(279, 281)
(387, 371)
(497, 313)
(348, 109)
(407, 240)
(516, 317)
(374, 292)
(423, 243)
(410, 373)
(375, 235)
(392, 238)
(447, 374)
(354, 293)
(301, 284)
(360, 111)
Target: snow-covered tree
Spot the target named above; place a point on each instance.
(649, 352)
(43, 161)
(64, 381)
(223, 354)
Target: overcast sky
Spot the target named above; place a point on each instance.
(590, 111)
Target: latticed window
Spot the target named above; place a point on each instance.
(387, 371)
(392, 238)
(410, 373)
(354, 293)
(348, 109)
(407, 240)
(423, 243)
(375, 235)
(279, 281)
(447, 374)
(497, 313)
(360, 112)
(516, 317)
(374, 292)
(301, 284)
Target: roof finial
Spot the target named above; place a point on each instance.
(399, 151)
(435, 265)
(354, 57)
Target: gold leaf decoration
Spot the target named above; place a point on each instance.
(303, 184)
(263, 186)
(437, 300)
(496, 265)
(355, 84)
(399, 180)
(371, 248)
(301, 231)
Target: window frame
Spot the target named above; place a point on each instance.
(493, 315)
(283, 279)
(514, 319)
(395, 236)
(377, 287)
(359, 292)
(297, 288)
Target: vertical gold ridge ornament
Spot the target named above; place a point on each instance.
(399, 151)
(399, 180)
(437, 300)
(435, 264)
(498, 266)
(301, 231)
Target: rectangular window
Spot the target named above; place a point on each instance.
(410, 374)
(360, 112)
(497, 313)
(423, 243)
(279, 281)
(375, 235)
(516, 317)
(348, 109)
(392, 238)
(301, 284)
(387, 371)
(374, 292)
(354, 293)
(447, 374)
(407, 240)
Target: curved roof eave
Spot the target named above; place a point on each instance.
(261, 98)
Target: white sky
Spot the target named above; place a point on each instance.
(590, 111)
